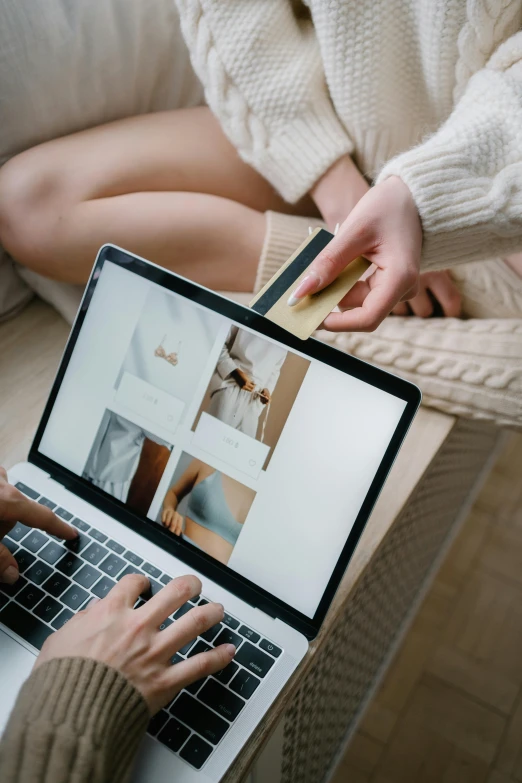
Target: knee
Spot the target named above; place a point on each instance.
(27, 194)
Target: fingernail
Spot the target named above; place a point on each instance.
(307, 286)
(231, 650)
(10, 575)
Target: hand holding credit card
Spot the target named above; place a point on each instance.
(307, 314)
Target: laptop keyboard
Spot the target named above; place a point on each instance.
(58, 578)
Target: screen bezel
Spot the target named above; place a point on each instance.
(313, 349)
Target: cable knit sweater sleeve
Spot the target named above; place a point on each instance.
(75, 721)
(264, 80)
(466, 179)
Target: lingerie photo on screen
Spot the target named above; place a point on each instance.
(253, 388)
(166, 357)
(127, 461)
(206, 507)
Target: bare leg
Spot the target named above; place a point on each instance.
(168, 186)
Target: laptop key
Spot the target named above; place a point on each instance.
(19, 531)
(248, 633)
(47, 609)
(195, 686)
(80, 524)
(165, 624)
(176, 658)
(62, 618)
(151, 570)
(78, 544)
(154, 588)
(129, 570)
(87, 576)
(165, 579)
(3, 600)
(10, 545)
(133, 558)
(226, 674)
(112, 565)
(69, 564)
(211, 634)
(183, 610)
(253, 659)
(103, 587)
(98, 535)
(226, 704)
(184, 650)
(118, 548)
(57, 584)
(196, 751)
(12, 590)
(270, 648)
(35, 541)
(52, 552)
(203, 602)
(24, 559)
(31, 493)
(244, 683)
(46, 502)
(28, 627)
(30, 596)
(231, 621)
(173, 734)
(200, 647)
(38, 572)
(198, 717)
(61, 512)
(94, 553)
(74, 597)
(157, 722)
(228, 637)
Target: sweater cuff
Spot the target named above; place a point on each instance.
(75, 719)
(300, 152)
(284, 234)
(459, 213)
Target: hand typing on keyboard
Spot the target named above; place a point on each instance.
(130, 640)
(15, 508)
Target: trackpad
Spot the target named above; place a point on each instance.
(15, 667)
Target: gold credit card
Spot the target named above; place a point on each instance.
(306, 316)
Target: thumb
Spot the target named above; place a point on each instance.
(350, 242)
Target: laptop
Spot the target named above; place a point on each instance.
(186, 433)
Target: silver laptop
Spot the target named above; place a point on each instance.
(187, 433)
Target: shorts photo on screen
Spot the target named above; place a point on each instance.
(206, 507)
(253, 387)
(127, 461)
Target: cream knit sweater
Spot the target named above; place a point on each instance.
(429, 90)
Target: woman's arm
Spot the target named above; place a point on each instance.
(264, 80)
(466, 179)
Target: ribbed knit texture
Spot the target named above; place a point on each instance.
(467, 368)
(75, 721)
(284, 234)
(429, 90)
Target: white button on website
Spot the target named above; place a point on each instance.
(233, 447)
(150, 402)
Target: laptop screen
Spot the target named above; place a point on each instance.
(254, 453)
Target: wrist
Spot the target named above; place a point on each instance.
(339, 189)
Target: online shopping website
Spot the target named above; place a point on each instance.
(255, 454)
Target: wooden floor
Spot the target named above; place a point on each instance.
(450, 708)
